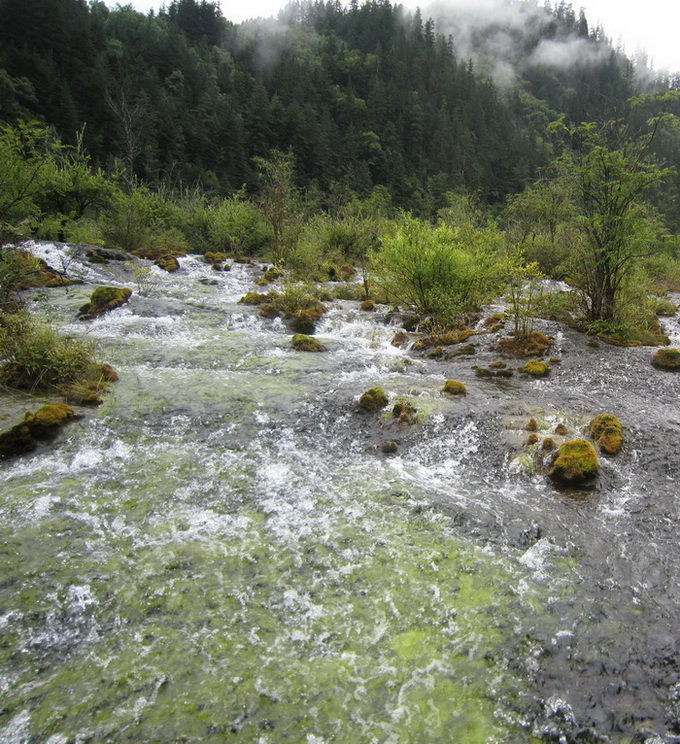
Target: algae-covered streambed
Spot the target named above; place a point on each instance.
(223, 552)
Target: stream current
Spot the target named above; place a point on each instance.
(223, 552)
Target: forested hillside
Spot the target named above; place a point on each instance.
(364, 95)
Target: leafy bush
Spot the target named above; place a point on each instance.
(35, 357)
(442, 272)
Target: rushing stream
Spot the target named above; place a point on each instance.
(222, 551)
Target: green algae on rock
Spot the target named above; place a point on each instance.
(576, 463)
(374, 399)
(606, 430)
(104, 299)
(404, 412)
(667, 359)
(254, 298)
(301, 342)
(531, 344)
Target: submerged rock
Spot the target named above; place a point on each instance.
(104, 299)
(373, 399)
(607, 431)
(576, 463)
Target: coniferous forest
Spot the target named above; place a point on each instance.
(365, 95)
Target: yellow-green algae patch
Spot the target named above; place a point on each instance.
(342, 636)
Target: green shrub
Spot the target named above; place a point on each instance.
(35, 357)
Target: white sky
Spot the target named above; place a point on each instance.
(653, 26)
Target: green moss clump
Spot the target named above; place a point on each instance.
(253, 298)
(536, 368)
(607, 431)
(532, 425)
(548, 445)
(167, 262)
(104, 299)
(374, 399)
(532, 344)
(561, 430)
(484, 373)
(301, 342)
(36, 427)
(453, 387)
(214, 257)
(667, 359)
(532, 439)
(269, 311)
(576, 463)
(368, 306)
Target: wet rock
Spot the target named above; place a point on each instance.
(576, 463)
(606, 430)
(104, 299)
(302, 342)
(269, 311)
(374, 399)
(561, 430)
(390, 447)
(303, 321)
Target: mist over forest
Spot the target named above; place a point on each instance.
(364, 95)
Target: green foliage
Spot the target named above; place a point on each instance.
(26, 156)
(35, 357)
(442, 272)
(236, 226)
(17, 268)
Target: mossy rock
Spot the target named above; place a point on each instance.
(390, 447)
(606, 430)
(531, 344)
(302, 342)
(536, 368)
(36, 427)
(273, 273)
(667, 359)
(85, 393)
(453, 387)
(214, 257)
(467, 350)
(303, 321)
(254, 298)
(269, 311)
(108, 373)
(167, 262)
(399, 339)
(548, 445)
(576, 463)
(405, 413)
(368, 306)
(374, 399)
(561, 430)
(532, 439)
(32, 272)
(104, 299)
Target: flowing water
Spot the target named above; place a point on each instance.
(223, 552)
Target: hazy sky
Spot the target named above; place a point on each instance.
(653, 26)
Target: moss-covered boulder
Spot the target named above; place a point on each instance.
(399, 339)
(667, 359)
(254, 298)
(536, 368)
(368, 306)
(374, 399)
(167, 262)
(453, 387)
(37, 427)
(576, 463)
(405, 413)
(606, 430)
(104, 299)
(531, 344)
(301, 342)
